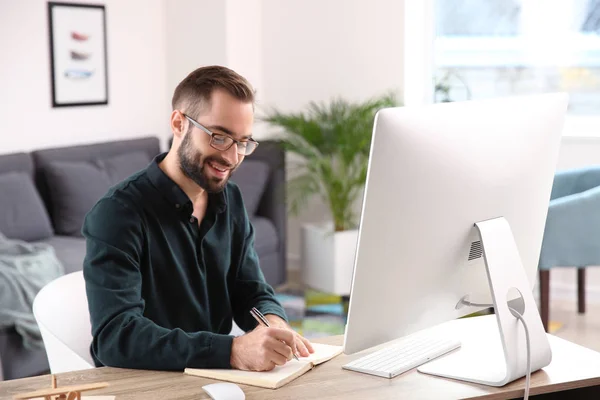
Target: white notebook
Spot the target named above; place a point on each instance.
(278, 376)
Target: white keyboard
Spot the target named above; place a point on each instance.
(404, 355)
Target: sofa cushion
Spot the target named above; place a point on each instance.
(75, 186)
(74, 189)
(16, 162)
(22, 213)
(122, 166)
(251, 177)
(87, 152)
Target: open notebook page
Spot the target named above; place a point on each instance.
(278, 376)
(323, 352)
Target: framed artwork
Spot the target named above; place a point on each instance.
(78, 55)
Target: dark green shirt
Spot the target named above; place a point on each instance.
(162, 290)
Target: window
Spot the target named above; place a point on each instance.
(491, 48)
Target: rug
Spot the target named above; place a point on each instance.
(315, 314)
(555, 326)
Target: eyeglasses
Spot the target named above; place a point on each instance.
(224, 142)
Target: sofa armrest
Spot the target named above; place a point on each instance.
(273, 204)
(572, 181)
(572, 226)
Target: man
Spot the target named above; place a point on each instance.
(170, 258)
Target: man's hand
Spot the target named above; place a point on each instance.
(262, 349)
(302, 346)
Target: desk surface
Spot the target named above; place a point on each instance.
(572, 367)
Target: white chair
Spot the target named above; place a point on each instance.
(236, 330)
(61, 312)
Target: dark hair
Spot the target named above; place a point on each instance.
(195, 91)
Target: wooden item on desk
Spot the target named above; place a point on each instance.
(278, 376)
(63, 393)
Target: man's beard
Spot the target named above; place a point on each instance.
(192, 164)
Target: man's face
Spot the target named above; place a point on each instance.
(208, 167)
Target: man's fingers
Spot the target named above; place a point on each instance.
(300, 344)
(308, 344)
(301, 347)
(305, 348)
(269, 365)
(283, 334)
(281, 348)
(276, 357)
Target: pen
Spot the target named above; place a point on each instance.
(260, 318)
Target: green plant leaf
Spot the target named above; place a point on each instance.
(333, 139)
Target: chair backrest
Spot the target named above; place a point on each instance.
(61, 312)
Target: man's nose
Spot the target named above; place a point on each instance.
(231, 155)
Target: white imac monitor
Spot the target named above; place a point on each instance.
(455, 205)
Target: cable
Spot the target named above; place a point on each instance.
(528, 377)
(520, 318)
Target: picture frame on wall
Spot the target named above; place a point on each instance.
(78, 54)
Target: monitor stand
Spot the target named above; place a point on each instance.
(498, 366)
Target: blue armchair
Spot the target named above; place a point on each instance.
(572, 234)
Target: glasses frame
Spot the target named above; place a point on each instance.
(212, 136)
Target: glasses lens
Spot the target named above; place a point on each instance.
(248, 147)
(221, 142)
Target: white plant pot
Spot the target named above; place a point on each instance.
(328, 258)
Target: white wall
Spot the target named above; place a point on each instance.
(244, 48)
(314, 50)
(244, 32)
(195, 35)
(227, 32)
(136, 73)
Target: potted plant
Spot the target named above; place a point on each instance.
(332, 142)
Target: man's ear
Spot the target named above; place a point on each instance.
(178, 124)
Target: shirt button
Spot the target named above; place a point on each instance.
(177, 205)
(192, 220)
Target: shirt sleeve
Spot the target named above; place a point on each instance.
(250, 287)
(122, 336)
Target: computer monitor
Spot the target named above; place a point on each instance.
(434, 173)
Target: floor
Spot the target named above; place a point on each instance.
(582, 329)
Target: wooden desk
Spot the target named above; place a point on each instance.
(572, 367)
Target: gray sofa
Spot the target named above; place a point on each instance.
(45, 194)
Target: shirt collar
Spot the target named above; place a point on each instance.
(174, 194)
